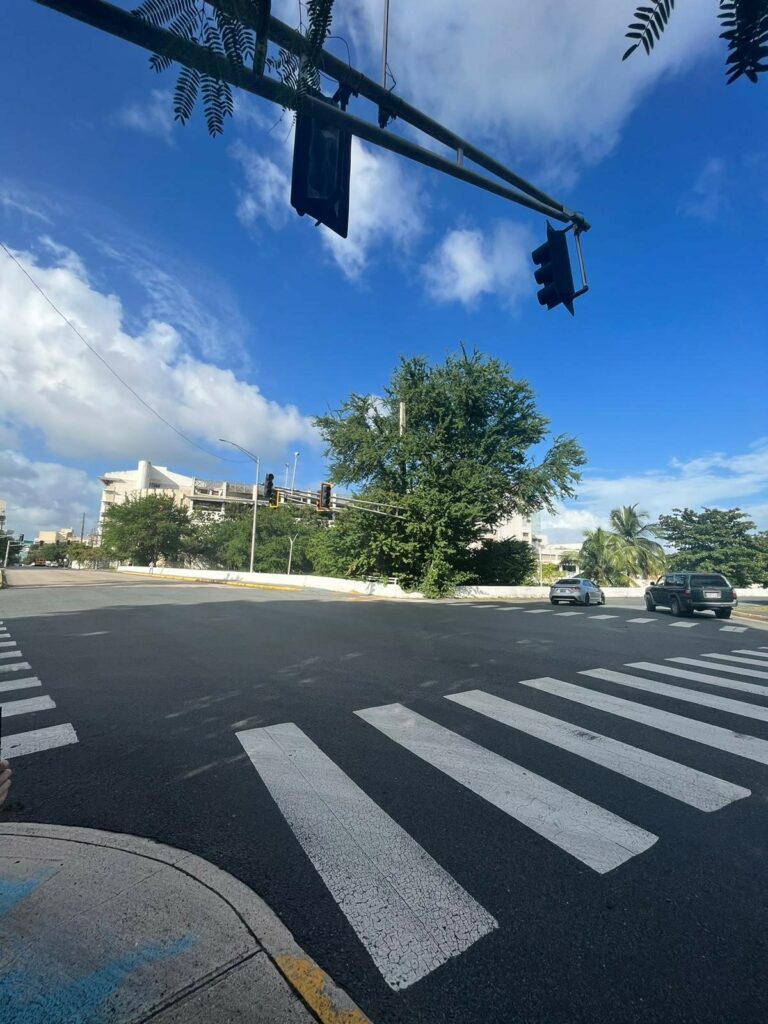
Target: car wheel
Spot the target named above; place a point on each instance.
(676, 608)
(602, 598)
(586, 600)
(650, 604)
(723, 613)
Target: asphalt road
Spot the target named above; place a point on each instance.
(434, 880)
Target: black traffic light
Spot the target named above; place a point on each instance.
(269, 488)
(324, 498)
(554, 270)
(322, 155)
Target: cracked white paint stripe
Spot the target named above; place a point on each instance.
(700, 677)
(19, 684)
(26, 707)
(15, 667)
(705, 792)
(408, 912)
(684, 625)
(36, 740)
(750, 747)
(731, 669)
(593, 835)
(754, 662)
(706, 700)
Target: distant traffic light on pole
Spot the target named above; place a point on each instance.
(554, 271)
(324, 497)
(270, 494)
(322, 157)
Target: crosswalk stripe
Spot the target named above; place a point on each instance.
(5, 636)
(642, 620)
(750, 747)
(754, 662)
(537, 611)
(603, 616)
(25, 707)
(684, 625)
(15, 668)
(700, 677)
(7, 643)
(37, 740)
(569, 613)
(733, 629)
(705, 792)
(734, 670)
(408, 912)
(10, 654)
(19, 684)
(484, 606)
(508, 608)
(753, 654)
(592, 834)
(707, 700)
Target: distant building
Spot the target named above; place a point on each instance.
(2, 515)
(55, 536)
(516, 527)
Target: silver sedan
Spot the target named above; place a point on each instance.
(576, 590)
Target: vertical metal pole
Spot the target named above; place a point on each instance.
(286, 476)
(255, 506)
(384, 46)
(82, 528)
(402, 418)
(7, 550)
(290, 553)
(293, 478)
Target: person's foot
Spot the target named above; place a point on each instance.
(5, 781)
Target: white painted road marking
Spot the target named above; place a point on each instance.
(705, 792)
(26, 707)
(19, 684)
(603, 616)
(37, 740)
(408, 912)
(731, 669)
(7, 643)
(753, 654)
(750, 747)
(15, 668)
(5, 636)
(569, 613)
(699, 677)
(684, 625)
(706, 700)
(592, 834)
(733, 629)
(642, 620)
(754, 662)
(17, 654)
(537, 611)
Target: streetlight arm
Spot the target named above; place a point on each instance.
(223, 440)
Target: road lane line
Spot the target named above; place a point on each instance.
(36, 740)
(537, 611)
(5, 636)
(15, 668)
(592, 834)
(684, 625)
(19, 684)
(706, 700)
(569, 613)
(408, 912)
(731, 669)
(705, 792)
(603, 616)
(754, 662)
(753, 654)
(740, 744)
(18, 654)
(700, 677)
(642, 620)
(26, 707)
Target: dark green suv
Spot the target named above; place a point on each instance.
(687, 592)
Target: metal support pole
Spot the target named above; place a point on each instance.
(293, 478)
(291, 541)
(384, 46)
(255, 507)
(7, 551)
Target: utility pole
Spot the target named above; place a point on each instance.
(402, 418)
(384, 46)
(82, 528)
(7, 552)
(285, 485)
(291, 541)
(257, 460)
(293, 478)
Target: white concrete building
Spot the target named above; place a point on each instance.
(55, 536)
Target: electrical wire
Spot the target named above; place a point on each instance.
(114, 372)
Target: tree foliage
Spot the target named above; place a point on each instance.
(462, 464)
(226, 543)
(617, 557)
(205, 23)
(716, 540)
(503, 563)
(145, 529)
(14, 551)
(745, 30)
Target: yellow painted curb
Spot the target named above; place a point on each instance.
(225, 583)
(310, 982)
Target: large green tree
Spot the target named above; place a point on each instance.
(226, 543)
(603, 560)
(461, 465)
(715, 540)
(145, 529)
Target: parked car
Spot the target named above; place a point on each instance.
(576, 590)
(687, 592)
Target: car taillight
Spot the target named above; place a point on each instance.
(733, 594)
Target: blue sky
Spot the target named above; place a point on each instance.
(180, 260)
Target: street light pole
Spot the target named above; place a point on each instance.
(293, 478)
(257, 460)
(291, 541)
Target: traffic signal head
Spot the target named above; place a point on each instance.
(554, 271)
(269, 486)
(324, 499)
(322, 155)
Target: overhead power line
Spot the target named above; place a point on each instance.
(111, 369)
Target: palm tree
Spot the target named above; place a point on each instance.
(602, 559)
(641, 556)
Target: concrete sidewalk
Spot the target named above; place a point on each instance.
(96, 926)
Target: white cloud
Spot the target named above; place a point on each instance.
(538, 80)
(468, 263)
(716, 480)
(708, 199)
(53, 385)
(14, 198)
(153, 117)
(268, 192)
(46, 495)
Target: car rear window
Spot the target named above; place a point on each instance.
(561, 583)
(712, 580)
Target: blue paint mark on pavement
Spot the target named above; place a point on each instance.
(12, 893)
(25, 999)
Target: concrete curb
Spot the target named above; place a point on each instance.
(324, 999)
